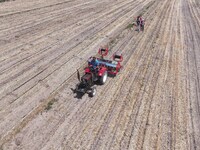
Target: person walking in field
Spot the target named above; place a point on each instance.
(140, 23)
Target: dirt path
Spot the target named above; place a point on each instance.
(152, 104)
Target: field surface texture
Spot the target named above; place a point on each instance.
(154, 101)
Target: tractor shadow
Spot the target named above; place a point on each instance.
(111, 76)
(137, 30)
(78, 94)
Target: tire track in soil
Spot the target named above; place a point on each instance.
(135, 104)
(159, 72)
(167, 137)
(164, 114)
(173, 124)
(191, 39)
(139, 130)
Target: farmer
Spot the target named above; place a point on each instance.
(142, 24)
(94, 63)
(138, 20)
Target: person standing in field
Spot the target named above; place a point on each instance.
(140, 23)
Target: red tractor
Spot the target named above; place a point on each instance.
(98, 75)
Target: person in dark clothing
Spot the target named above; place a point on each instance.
(140, 23)
(94, 63)
(138, 20)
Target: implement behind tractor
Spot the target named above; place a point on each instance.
(98, 75)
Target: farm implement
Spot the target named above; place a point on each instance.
(98, 74)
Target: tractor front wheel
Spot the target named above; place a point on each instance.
(93, 92)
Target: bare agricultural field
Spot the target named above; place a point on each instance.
(153, 103)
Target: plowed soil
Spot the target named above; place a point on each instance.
(153, 103)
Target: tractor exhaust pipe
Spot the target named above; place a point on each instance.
(78, 75)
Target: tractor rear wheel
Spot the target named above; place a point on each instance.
(103, 78)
